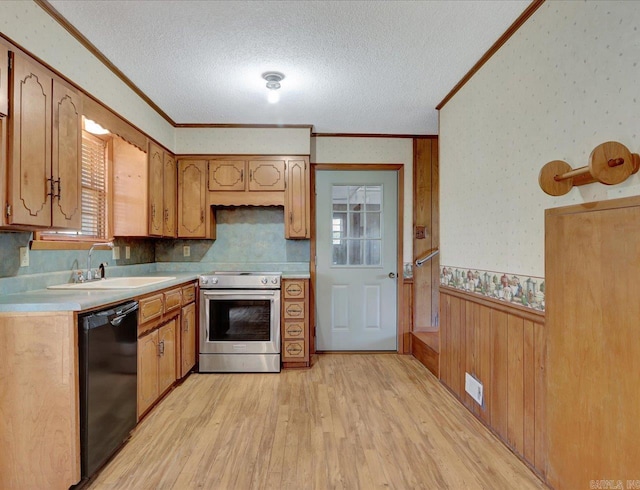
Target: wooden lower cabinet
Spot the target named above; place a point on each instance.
(295, 323)
(156, 364)
(147, 371)
(188, 339)
(39, 400)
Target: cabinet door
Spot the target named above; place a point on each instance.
(227, 175)
(66, 160)
(297, 205)
(188, 343)
(130, 190)
(192, 198)
(147, 371)
(169, 196)
(266, 175)
(156, 202)
(167, 359)
(4, 80)
(30, 146)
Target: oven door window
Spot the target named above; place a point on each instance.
(239, 320)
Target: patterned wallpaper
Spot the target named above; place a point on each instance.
(565, 82)
(267, 141)
(31, 27)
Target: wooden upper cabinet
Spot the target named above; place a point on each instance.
(266, 175)
(297, 201)
(156, 189)
(246, 175)
(227, 175)
(162, 192)
(66, 157)
(44, 165)
(170, 228)
(4, 80)
(192, 198)
(130, 190)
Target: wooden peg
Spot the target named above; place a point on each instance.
(609, 163)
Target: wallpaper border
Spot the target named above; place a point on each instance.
(518, 289)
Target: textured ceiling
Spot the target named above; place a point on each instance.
(350, 66)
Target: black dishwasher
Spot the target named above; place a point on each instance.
(108, 354)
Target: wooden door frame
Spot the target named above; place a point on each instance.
(372, 167)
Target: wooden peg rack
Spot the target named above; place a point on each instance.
(609, 163)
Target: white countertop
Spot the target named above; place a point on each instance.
(296, 275)
(41, 300)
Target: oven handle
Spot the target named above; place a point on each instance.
(241, 292)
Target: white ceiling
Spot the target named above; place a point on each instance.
(350, 66)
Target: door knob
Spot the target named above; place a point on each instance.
(392, 275)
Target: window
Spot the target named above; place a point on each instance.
(94, 195)
(356, 225)
(94, 187)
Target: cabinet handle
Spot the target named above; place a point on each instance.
(202, 216)
(250, 175)
(161, 348)
(51, 191)
(186, 325)
(290, 217)
(59, 189)
(153, 212)
(241, 175)
(166, 215)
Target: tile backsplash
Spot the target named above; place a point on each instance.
(248, 238)
(43, 261)
(244, 234)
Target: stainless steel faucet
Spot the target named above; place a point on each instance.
(89, 271)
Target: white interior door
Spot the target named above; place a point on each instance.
(356, 260)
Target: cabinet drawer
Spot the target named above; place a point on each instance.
(294, 289)
(294, 330)
(172, 300)
(150, 308)
(294, 349)
(293, 309)
(188, 294)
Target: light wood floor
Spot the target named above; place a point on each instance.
(353, 421)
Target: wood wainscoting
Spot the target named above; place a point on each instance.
(503, 346)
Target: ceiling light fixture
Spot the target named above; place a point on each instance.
(273, 79)
(93, 127)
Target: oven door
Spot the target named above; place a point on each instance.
(239, 321)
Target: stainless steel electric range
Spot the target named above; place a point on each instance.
(239, 322)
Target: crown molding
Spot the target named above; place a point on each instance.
(524, 16)
(58, 17)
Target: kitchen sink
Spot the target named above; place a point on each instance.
(114, 283)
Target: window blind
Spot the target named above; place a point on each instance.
(94, 187)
